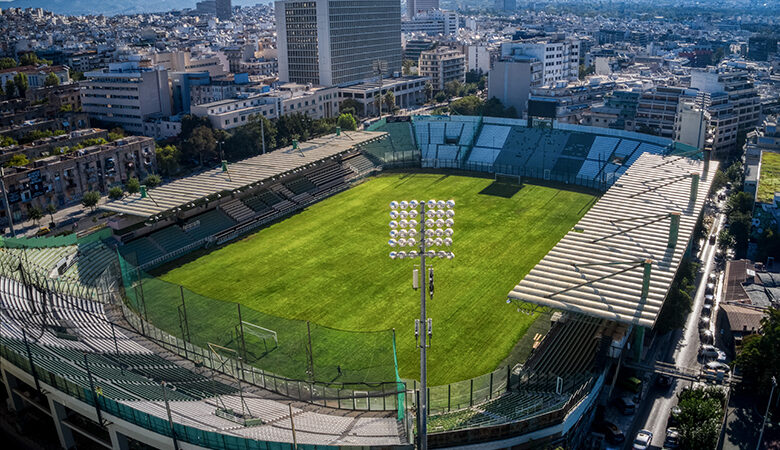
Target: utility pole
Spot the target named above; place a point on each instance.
(5, 200)
(766, 413)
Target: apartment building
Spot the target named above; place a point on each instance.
(442, 65)
(656, 110)
(315, 102)
(433, 23)
(416, 7)
(408, 91)
(333, 42)
(125, 94)
(511, 79)
(559, 56)
(52, 145)
(63, 179)
(36, 76)
(573, 100)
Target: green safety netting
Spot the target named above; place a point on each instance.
(285, 347)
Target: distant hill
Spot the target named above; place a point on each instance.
(111, 7)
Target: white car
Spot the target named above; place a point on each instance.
(709, 351)
(715, 365)
(643, 440)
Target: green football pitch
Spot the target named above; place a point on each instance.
(329, 265)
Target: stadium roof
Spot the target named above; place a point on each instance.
(599, 268)
(247, 173)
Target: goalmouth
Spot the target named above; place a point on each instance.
(260, 332)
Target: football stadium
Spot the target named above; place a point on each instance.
(255, 305)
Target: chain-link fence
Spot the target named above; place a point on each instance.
(288, 348)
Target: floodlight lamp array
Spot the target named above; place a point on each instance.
(434, 228)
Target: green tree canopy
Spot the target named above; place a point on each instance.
(7, 141)
(116, 192)
(51, 80)
(35, 214)
(201, 144)
(759, 359)
(90, 199)
(133, 186)
(22, 84)
(347, 122)
(701, 411)
(7, 63)
(389, 99)
(152, 181)
(10, 89)
(17, 160)
(51, 208)
(351, 106)
(168, 159)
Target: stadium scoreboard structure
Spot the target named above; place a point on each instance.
(620, 259)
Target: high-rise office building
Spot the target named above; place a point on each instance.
(414, 7)
(224, 9)
(506, 5)
(331, 42)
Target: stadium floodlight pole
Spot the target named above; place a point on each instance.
(434, 231)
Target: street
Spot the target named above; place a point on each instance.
(680, 347)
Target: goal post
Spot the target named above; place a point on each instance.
(508, 178)
(260, 332)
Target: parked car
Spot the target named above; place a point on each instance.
(704, 322)
(631, 384)
(672, 438)
(664, 381)
(643, 440)
(611, 432)
(673, 413)
(706, 310)
(706, 336)
(709, 299)
(717, 365)
(42, 232)
(712, 239)
(709, 288)
(626, 405)
(708, 351)
(721, 356)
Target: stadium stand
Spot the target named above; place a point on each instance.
(237, 210)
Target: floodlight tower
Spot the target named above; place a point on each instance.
(433, 230)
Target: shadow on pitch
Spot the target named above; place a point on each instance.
(504, 190)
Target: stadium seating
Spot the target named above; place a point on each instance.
(237, 210)
(493, 136)
(359, 164)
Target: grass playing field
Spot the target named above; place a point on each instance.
(329, 264)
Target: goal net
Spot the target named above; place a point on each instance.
(260, 332)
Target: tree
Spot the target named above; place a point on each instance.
(699, 418)
(168, 159)
(389, 100)
(90, 200)
(116, 192)
(76, 75)
(7, 63)
(189, 123)
(378, 103)
(246, 140)
(759, 358)
(741, 202)
(51, 208)
(18, 160)
(467, 106)
(152, 181)
(10, 89)
(453, 88)
(428, 89)
(51, 80)
(22, 84)
(725, 240)
(35, 214)
(201, 144)
(133, 186)
(407, 66)
(7, 141)
(31, 59)
(116, 133)
(351, 106)
(719, 180)
(440, 97)
(347, 122)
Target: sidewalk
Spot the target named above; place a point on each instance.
(65, 218)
